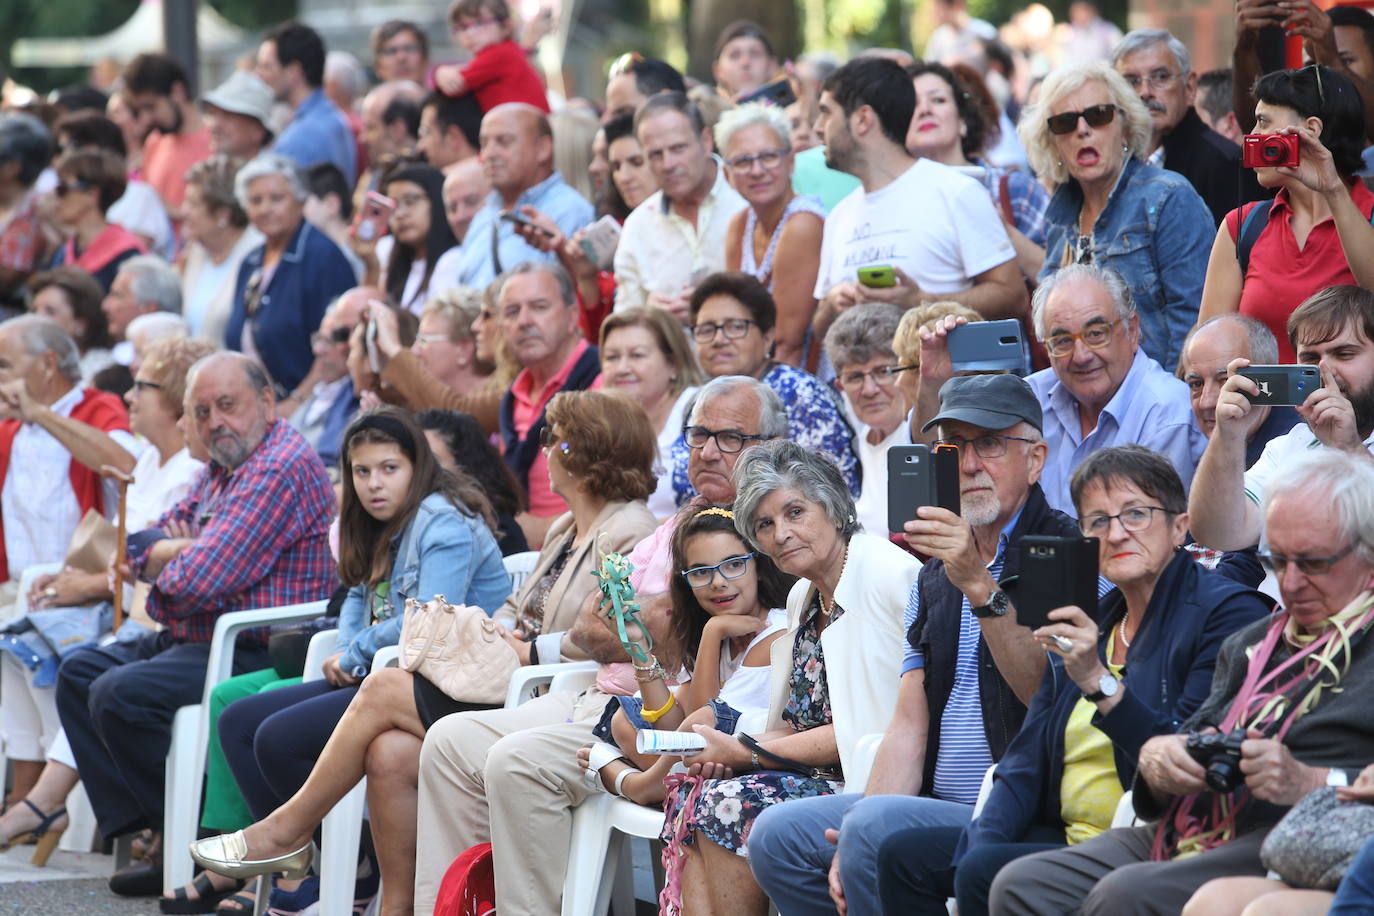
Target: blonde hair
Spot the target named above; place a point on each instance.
(906, 343)
(1034, 129)
(667, 332)
(573, 131)
(459, 306)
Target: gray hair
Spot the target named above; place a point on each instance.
(25, 139)
(344, 68)
(780, 463)
(152, 326)
(1105, 277)
(152, 280)
(552, 268)
(1264, 347)
(1140, 39)
(773, 421)
(265, 165)
(459, 306)
(863, 333)
(1034, 130)
(1342, 480)
(754, 114)
(257, 376)
(41, 335)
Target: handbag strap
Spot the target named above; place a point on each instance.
(785, 763)
(429, 634)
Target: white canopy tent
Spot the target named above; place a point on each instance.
(142, 32)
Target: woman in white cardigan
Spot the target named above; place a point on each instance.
(835, 672)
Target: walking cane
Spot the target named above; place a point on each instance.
(123, 539)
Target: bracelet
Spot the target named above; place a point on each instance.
(652, 672)
(653, 715)
(754, 758)
(620, 780)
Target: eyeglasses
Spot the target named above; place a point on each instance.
(395, 50)
(732, 568)
(337, 336)
(624, 64)
(1096, 116)
(460, 27)
(431, 338)
(145, 385)
(1277, 563)
(769, 159)
(405, 202)
(883, 376)
(1158, 79)
(734, 329)
(1136, 518)
(66, 187)
(727, 440)
(548, 440)
(984, 446)
(1094, 337)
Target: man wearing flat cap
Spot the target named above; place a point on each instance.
(969, 669)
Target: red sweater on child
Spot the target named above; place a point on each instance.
(501, 73)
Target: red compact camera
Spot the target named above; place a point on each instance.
(1267, 151)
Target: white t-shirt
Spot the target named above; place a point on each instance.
(871, 506)
(445, 274)
(663, 501)
(158, 487)
(937, 225)
(748, 689)
(1281, 452)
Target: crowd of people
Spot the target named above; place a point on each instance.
(302, 339)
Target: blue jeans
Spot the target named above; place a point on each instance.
(915, 877)
(791, 857)
(1355, 897)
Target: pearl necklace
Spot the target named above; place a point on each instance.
(1121, 630)
(830, 610)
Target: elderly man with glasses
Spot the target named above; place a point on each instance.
(1101, 388)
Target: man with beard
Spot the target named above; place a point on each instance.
(156, 85)
(1333, 330)
(955, 249)
(252, 533)
(969, 668)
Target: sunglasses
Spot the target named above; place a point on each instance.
(1096, 116)
(64, 188)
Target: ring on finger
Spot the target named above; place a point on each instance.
(1064, 643)
(49, 592)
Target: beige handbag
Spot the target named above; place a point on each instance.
(457, 649)
(92, 544)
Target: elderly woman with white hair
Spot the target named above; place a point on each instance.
(777, 238)
(834, 673)
(284, 285)
(1088, 136)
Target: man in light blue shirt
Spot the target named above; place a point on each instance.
(517, 157)
(291, 61)
(1102, 389)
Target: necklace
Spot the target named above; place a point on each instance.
(827, 611)
(1121, 630)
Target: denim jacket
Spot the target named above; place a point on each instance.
(1157, 233)
(442, 552)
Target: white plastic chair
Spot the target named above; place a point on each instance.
(1125, 813)
(861, 762)
(519, 566)
(191, 732)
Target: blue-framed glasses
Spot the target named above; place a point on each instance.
(731, 568)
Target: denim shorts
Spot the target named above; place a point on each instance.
(726, 716)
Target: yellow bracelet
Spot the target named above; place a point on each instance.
(653, 715)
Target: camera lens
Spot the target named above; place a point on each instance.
(1271, 151)
(1223, 775)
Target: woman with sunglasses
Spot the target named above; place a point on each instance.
(89, 182)
(777, 238)
(1136, 669)
(1087, 138)
(1270, 256)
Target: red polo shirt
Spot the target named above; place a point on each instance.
(527, 407)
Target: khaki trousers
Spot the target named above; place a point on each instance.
(509, 776)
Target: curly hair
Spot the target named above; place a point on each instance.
(972, 115)
(168, 361)
(1034, 130)
(611, 445)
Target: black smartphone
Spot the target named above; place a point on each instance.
(1282, 386)
(987, 346)
(777, 91)
(511, 216)
(918, 475)
(1055, 572)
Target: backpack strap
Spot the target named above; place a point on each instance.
(1250, 229)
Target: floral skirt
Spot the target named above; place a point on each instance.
(726, 808)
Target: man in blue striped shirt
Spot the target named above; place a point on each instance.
(968, 672)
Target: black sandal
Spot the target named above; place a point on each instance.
(244, 903)
(207, 899)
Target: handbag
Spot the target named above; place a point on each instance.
(457, 649)
(92, 544)
(469, 885)
(1314, 844)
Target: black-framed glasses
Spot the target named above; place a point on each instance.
(1095, 336)
(145, 385)
(734, 329)
(1277, 563)
(727, 440)
(338, 335)
(769, 159)
(1066, 122)
(1136, 518)
(984, 446)
(729, 568)
(64, 188)
(884, 376)
(548, 440)
(1159, 78)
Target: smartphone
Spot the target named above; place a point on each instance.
(374, 360)
(1286, 386)
(987, 346)
(1055, 572)
(523, 222)
(777, 91)
(879, 277)
(600, 240)
(374, 217)
(918, 475)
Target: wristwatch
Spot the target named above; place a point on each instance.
(1107, 686)
(1336, 777)
(997, 606)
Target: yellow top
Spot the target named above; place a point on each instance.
(1090, 789)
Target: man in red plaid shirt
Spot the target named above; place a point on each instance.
(252, 533)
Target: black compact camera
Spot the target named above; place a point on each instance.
(1259, 151)
(1220, 754)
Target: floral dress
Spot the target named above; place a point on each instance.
(726, 808)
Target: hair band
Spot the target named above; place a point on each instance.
(389, 425)
(715, 510)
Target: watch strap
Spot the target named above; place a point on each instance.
(993, 608)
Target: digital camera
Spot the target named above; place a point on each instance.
(1268, 151)
(1220, 754)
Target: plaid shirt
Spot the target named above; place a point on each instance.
(1028, 199)
(262, 539)
(21, 239)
